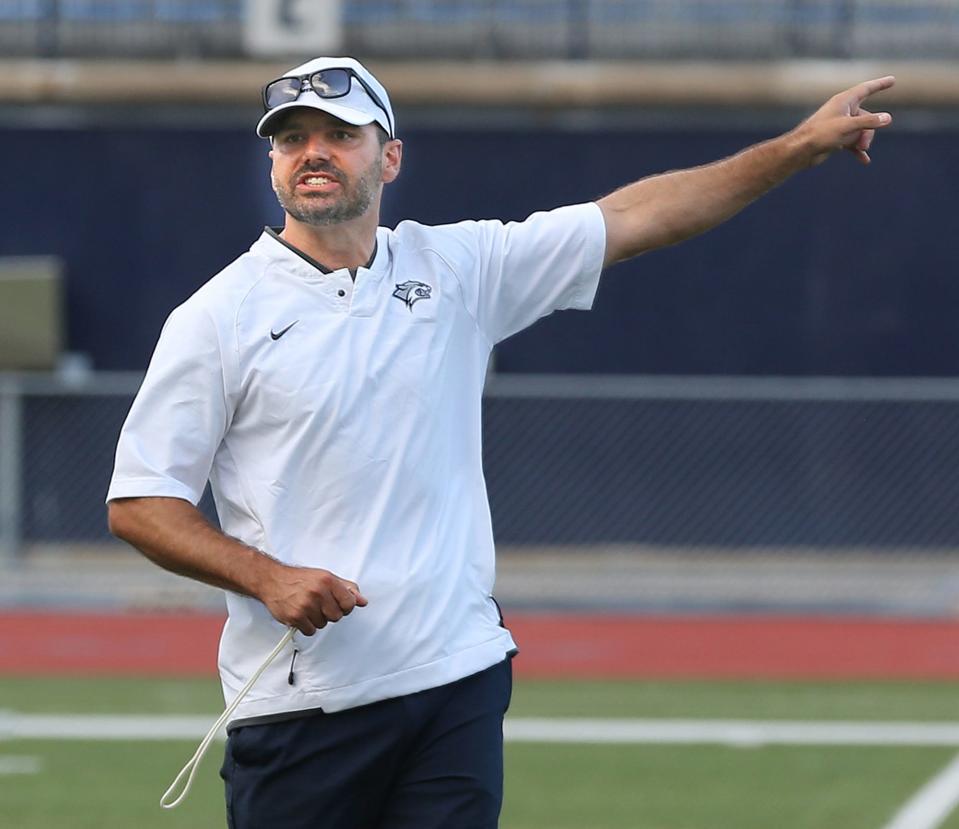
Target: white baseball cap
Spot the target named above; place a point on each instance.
(352, 94)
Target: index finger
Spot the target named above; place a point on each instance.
(867, 88)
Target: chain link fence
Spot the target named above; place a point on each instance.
(725, 464)
(717, 463)
(522, 29)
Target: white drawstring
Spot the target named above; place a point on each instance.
(194, 762)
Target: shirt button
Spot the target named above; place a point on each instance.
(341, 292)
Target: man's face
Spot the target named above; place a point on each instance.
(326, 171)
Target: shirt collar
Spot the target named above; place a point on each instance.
(272, 234)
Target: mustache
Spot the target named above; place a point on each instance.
(320, 167)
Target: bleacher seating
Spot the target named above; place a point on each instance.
(516, 29)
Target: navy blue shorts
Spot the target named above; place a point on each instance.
(430, 760)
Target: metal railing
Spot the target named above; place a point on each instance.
(524, 29)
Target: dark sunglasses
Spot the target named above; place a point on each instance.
(327, 83)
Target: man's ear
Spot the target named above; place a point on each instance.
(392, 159)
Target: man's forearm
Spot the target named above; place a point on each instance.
(666, 209)
(175, 535)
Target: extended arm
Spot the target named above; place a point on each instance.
(665, 209)
(174, 534)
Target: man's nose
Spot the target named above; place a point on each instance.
(317, 148)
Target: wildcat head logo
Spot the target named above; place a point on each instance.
(412, 292)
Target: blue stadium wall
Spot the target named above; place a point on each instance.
(843, 271)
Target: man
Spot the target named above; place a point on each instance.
(328, 383)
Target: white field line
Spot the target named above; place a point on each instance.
(733, 732)
(15, 726)
(102, 727)
(933, 803)
(14, 764)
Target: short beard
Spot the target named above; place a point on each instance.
(354, 201)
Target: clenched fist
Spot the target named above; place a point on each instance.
(309, 598)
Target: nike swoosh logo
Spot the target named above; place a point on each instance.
(277, 334)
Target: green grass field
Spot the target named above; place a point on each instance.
(117, 785)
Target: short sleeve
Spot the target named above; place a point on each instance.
(179, 416)
(549, 262)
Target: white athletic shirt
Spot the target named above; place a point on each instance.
(338, 423)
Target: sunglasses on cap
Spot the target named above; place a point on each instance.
(326, 83)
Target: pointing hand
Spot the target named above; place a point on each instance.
(842, 123)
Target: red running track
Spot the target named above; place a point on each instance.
(551, 645)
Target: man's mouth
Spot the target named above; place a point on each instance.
(317, 181)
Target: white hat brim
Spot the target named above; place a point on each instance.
(344, 113)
